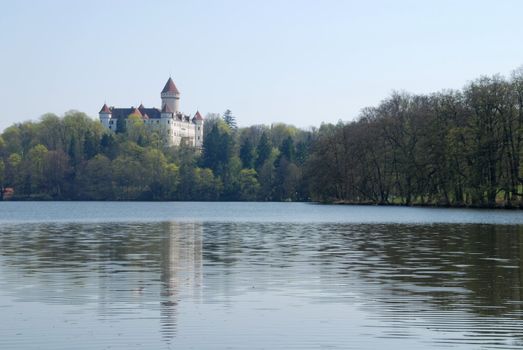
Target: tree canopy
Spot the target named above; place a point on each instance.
(452, 148)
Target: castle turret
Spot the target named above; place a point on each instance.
(105, 117)
(198, 129)
(167, 124)
(171, 96)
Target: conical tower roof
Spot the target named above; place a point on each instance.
(105, 109)
(170, 87)
(197, 116)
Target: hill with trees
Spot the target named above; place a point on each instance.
(451, 148)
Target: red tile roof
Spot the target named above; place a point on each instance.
(197, 116)
(137, 111)
(105, 109)
(170, 87)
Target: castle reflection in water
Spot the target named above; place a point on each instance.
(181, 270)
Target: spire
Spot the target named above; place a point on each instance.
(105, 109)
(170, 87)
(141, 107)
(166, 109)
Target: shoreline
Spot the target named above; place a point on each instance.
(498, 206)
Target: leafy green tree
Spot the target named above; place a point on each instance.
(266, 177)
(51, 132)
(56, 172)
(109, 145)
(12, 173)
(12, 139)
(230, 178)
(170, 181)
(2, 177)
(96, 179)
(187, 163)
(136, 130)
(3, 150)
(207, 186)
(35, 167)
(249, 185)
(129, 178)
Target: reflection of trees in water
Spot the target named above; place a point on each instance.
(181, 271)
(447, 264)
(118, 263)
(470, 269)
(447, 273)
(440, 276)
(108, 260)
(81, 246)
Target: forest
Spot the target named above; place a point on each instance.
(449, 148)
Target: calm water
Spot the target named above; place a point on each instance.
(258, 276)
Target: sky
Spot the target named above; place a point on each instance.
(298, 62)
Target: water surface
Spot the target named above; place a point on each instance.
(26, 212)
(258, 276)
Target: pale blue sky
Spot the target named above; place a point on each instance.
(298, 62)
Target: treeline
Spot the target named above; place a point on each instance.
(74, 158)
(452, 148)
(456, 148)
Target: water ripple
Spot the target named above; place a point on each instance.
(273, 285)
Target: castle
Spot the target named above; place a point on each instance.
(168, 121)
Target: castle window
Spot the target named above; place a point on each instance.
(110, 127)
(111, 122)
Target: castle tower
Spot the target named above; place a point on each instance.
(171, 96)
(167, 112)
(167, 124)
(105, 117)
(198, 129)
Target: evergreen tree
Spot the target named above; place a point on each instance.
(229, 119)
(263, 150)
(217, 149)
(247, 153)
(91, 145)
(108, 145)
(211, 149)
(287, 149)
(121, 125)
